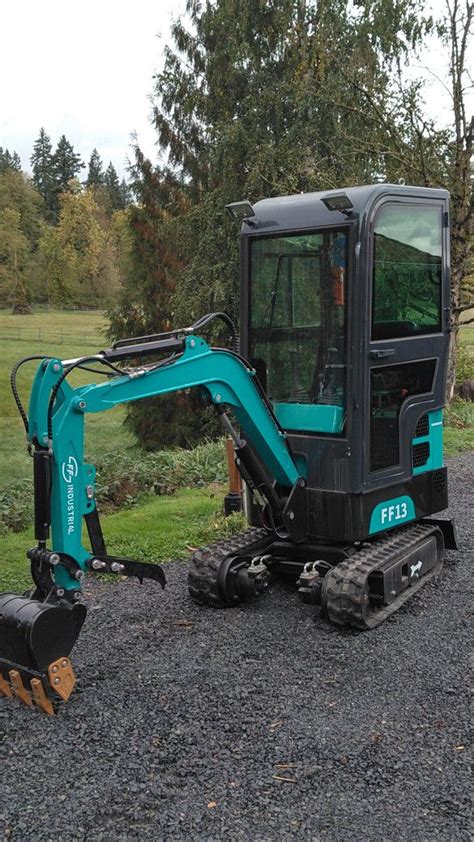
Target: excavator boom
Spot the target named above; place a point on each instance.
(38, 633)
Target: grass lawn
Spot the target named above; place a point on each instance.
(160, 528)
(62, 334)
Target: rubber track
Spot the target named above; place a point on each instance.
(345, 585)
(206, 562)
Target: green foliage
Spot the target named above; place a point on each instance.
(66, 166)
(79, 253)
(9, 161)
(16, 508)
(161, 528)
(116, 198)
(152, 264)
(77, 261)
(20, 228)
(123, 478)
(458, 427)
(65, 334)
(254, 100)
(125, 195)
(459, 414)
(14, 255)
(464, 360)
(227, 525)
(18, 193)
(95, 174)
(42, 168)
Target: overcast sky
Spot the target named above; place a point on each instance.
(81, 69)
(85, 69)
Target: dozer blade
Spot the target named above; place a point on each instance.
(35, 641)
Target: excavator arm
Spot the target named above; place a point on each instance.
(57, 432)
(38, 630)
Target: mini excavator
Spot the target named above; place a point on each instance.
(332, 395)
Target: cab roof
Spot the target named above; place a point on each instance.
(307, 210)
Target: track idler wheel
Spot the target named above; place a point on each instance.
(231, 570)
(35, 641)
(240, 581)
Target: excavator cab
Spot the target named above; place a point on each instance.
(345, 316)
(332, 396)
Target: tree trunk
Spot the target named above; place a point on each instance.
(459, 19)
(451, 375)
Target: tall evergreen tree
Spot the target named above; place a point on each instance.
(95, 174)
(125, 194)
(288, 119)
(9, 160)
(144, 304)
(42, 169)
(66, 166)
(262, 99)
(112, 185)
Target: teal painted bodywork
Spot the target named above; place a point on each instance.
(435, 441)
(310, 417)
(225, 378)
(392, 513)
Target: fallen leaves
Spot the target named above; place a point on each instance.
(284, 778)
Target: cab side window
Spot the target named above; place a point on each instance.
(406, 298)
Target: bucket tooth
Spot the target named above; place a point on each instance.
(40, 697)
(62, 678)
(5, 688)
(19, 688)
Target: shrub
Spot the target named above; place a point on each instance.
(123, 477)
(464, 362)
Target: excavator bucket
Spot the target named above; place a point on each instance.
(36, 639)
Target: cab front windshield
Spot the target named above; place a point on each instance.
(297, 316)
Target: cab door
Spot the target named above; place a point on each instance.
(408, 336)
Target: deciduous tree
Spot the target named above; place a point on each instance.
(15, 252)
(78, 257)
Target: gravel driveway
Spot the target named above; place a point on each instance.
(257, 723)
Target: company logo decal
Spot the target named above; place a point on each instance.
(70, 470)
